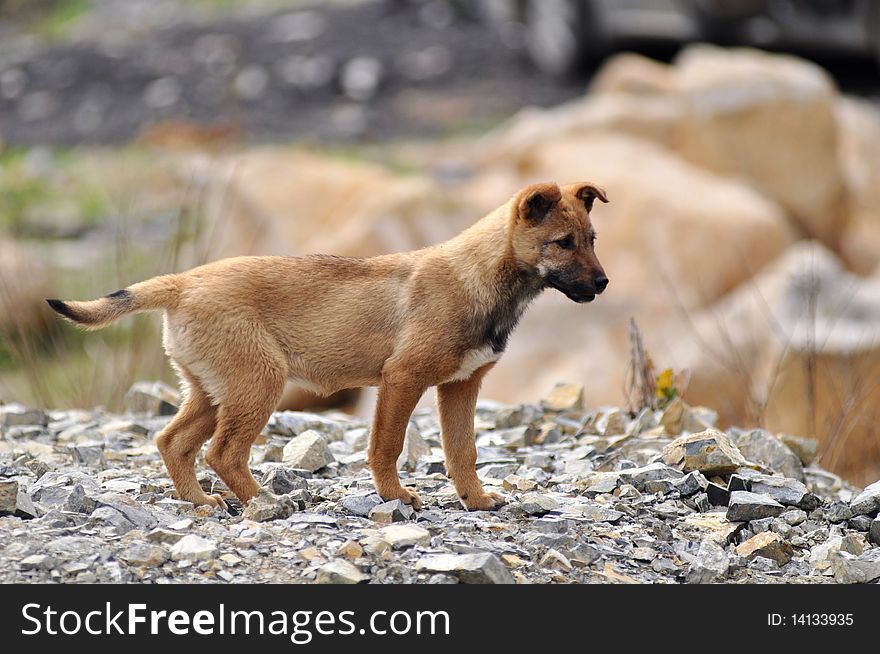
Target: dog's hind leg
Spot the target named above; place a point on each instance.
(243, 413)
(456, 402)
(180, 441)
(394, 406)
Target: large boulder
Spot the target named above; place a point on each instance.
(797, 350)
(656, 118)
(768, 119)
(290, 201)
(634, 74)
(860, 163)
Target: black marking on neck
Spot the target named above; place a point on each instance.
(516, 288)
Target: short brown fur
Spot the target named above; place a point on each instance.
(237, 329)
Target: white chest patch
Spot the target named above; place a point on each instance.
(472, 361)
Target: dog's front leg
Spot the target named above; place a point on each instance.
(456, 402)
(395, 404)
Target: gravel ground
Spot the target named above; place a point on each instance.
(592, 496)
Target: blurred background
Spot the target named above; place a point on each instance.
(739, 142)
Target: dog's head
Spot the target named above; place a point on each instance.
(554, 236)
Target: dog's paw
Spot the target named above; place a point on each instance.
(483, 502)
(405, 495)
(214, 501)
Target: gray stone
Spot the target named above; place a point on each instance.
(760, 446)
(860, 522)
(497, 470)
(709, 451)
(739, 482)
(693, 482)
(307, 73)
(664, 566)
(144, 555)
(850, 569)
(357, 439)
(340, 571)
(360, 77)
(789, 492)
(584, 554)
(554, 560)
(512, 438)
(717, 495)
(37, 562)
(67, 498)
(537, 504)
(595, 512)
(294, 423)
(837, 511)
(308, 451)
(266, 506)
(415, 448)
(193, 548)
(12, 415)
(659, 486)
(91, 456)
(604, 482)
(154, 398)
(763, 564)
(701, 501)
(133, 511)
(107, 516)
(794, 517)
(874, 531)
(393, 511)
(746, 506)
(651, 472)
(868, 501)
(805, 448)
(478, 568)
(281, 480)
(710, 565)
(361, 503)
(400, 536)
(821, 555)
(542, 460)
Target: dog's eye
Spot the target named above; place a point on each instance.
(566, 243)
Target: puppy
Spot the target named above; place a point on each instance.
(237, 329)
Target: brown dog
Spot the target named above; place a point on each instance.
(236, 329)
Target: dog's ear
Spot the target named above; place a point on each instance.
(587, 193)
(537, 200)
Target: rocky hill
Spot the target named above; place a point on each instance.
(594, 495)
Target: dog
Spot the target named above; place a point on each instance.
(236, 329)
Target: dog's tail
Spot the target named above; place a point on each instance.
(157, 293)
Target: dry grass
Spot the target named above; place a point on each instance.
(52, 364)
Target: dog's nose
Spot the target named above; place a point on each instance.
(601, 283)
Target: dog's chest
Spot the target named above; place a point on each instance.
(473, 360)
